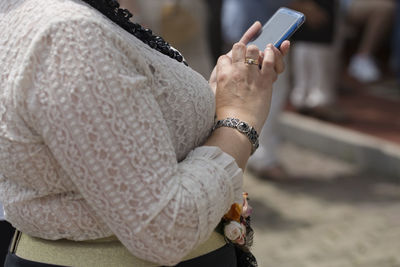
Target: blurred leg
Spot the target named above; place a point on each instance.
(396, 42)
(266, 155)
(301, 74)
(321, 82)
(377, 15)
(214, 28)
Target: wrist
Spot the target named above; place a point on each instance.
(242, 116)
(231, 142)
(242, 127)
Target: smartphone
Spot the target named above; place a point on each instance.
(278, 28)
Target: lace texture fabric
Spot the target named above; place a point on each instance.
(101, 135)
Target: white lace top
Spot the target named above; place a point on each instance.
(102, 135)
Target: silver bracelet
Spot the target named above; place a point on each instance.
(242, 127)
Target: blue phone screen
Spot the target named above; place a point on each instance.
(278, 28)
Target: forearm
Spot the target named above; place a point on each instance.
(243, 92)
(232, 142)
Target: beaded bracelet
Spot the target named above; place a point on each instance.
(242, 127)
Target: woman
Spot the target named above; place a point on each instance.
(107, 148)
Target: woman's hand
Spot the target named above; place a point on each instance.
(242, 90)
(247, 36)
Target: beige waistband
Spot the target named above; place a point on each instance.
(98, 253)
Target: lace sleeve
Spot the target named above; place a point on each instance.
(96, 113)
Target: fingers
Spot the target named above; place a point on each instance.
(238, 52)
(251, 32)
(279, 63)
(253, 52)
(223, 64)
(248, 35)
(284, 48)
(268, 64)
(223, 61)
(279, 55)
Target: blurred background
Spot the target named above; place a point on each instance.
(325, 184)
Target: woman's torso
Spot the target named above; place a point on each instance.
(38, 195)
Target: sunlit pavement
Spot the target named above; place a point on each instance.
(331, 214)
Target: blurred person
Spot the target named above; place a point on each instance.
(396, 43)
(114, 152)
(182, 23)
(236, 16)
(215, 28)
(374, 17)
(315, 61)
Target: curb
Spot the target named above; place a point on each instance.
(370, 153)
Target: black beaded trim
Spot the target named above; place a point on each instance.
(242, 127)
(111, 9)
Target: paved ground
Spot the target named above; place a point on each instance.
(330, 215)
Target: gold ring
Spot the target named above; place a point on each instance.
(251, 61)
